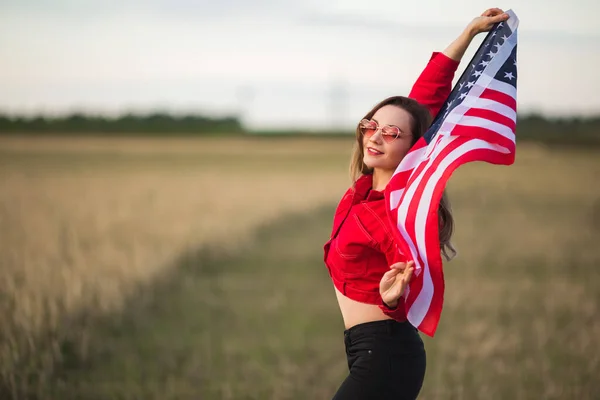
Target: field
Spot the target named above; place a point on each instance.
(192, 269)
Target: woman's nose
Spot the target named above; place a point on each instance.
(376, 134)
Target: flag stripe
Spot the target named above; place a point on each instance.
(458, 118)
(487, 104)
(493, 116)
(500, 97)
(487, 124)
(479, 132)
(413, 158)
(395, 197)
(502, 87)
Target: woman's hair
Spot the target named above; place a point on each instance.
(420, 121)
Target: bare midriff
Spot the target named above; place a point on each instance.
(354, 312)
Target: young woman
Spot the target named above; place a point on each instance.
(386, 357)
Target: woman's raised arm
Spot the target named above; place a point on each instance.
(484, 23)
(434, 84)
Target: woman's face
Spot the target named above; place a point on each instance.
(378, 154)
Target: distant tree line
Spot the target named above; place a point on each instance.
(150, 124)
(568, 131)
(575, 130)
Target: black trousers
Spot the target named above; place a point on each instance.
(386, 360)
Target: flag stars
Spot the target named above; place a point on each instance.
(470, 84)
(504, 37)
(491, 54)
(463, 95)
(498, 45)
(509, 76)
(477, 73)
(484, 63)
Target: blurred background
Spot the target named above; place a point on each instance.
(169, 173)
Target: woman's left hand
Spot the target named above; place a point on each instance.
(394, 282)
(486, 21)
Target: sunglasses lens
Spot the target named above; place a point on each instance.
(390, 133)
(367, 127)
(368, 132)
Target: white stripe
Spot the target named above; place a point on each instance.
(395, 197)
(472, 102)
(491, 125)
(411, 160)
(433, 144)
(500, 129)
(503, 87)
(455, 118)
(513, 21)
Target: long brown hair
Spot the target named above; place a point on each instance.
(420, 121)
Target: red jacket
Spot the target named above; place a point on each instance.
(361, 247)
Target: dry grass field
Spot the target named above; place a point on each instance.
(192, 268)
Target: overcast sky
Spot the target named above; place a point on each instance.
(280, 62)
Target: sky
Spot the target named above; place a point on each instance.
(276, 63)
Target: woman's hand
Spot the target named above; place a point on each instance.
(394, 282)
(486, 21)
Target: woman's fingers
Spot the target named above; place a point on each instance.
(402, 266)
(391, 273)
(398, 266)
(499, 18)
(401, 283)
(490, 12)
(397, 277)
(403, 279)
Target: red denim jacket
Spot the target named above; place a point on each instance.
(361, 247)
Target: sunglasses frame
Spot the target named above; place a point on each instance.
(387, 137)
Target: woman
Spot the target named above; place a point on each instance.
(386, 357)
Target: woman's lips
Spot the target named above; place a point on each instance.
(374, 152)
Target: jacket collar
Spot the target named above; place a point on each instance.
(363, 189)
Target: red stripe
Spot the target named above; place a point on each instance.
(487, 135)
(492, 116)
(499, 97)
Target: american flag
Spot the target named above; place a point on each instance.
(476, 123)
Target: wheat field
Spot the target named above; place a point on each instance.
(90, 225)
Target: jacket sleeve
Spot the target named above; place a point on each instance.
(434, 85)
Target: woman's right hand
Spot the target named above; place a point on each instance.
(486, 21)
(393, 283)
